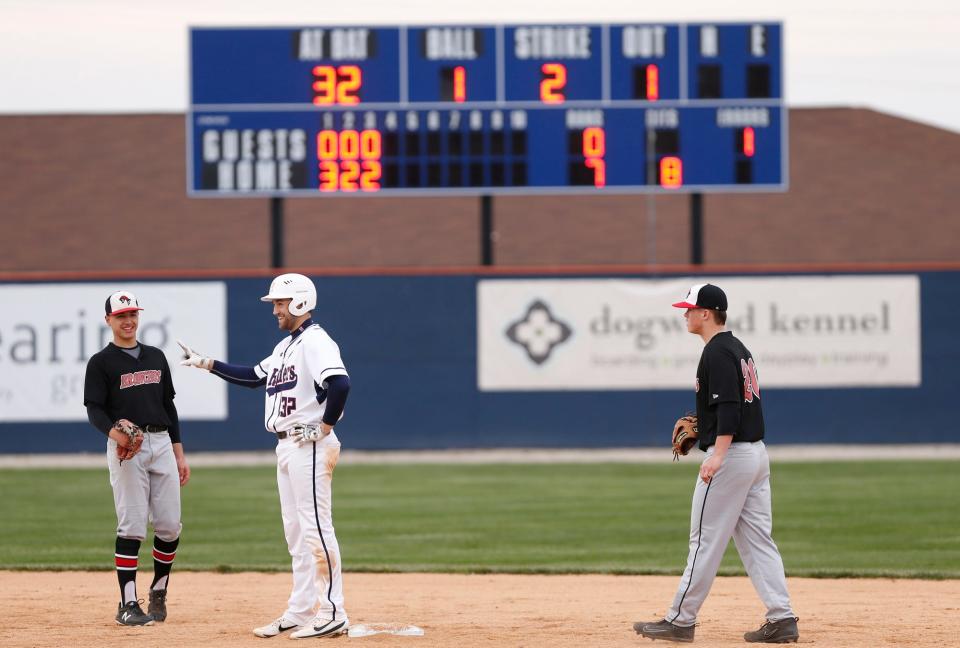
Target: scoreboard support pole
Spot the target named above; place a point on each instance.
(276, 232)
(651, 230)
(486, 230)
(696, 228)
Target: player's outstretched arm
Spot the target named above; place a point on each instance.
(236, 374)
(193, 359)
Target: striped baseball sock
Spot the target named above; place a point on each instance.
(125, 558)
(164, 552)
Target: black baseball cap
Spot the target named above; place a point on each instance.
(121, 301)
(704, 296)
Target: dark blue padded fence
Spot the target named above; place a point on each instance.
(410, 344)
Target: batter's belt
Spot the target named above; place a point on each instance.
(283, 434)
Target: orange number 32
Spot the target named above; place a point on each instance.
(336, 85)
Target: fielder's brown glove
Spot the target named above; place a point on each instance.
(684, 435)
(134, 439)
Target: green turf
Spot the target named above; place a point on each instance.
(833, 519)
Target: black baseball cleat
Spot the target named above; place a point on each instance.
(158, 605)
(132, 614)
(782, 631)
(664, 630)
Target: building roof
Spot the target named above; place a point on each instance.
(108, 192)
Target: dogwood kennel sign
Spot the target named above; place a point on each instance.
(584, 334)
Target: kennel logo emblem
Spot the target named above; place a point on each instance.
(538, 332)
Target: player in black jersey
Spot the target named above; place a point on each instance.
(732, 495)
(131, 381)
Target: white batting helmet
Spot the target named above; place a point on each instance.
(298, 289)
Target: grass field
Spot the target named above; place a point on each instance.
(831, 519)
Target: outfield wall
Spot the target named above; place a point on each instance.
(559, 360)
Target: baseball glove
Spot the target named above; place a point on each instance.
(134, 439)
(684, 435)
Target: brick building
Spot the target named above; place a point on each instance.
(108, 192)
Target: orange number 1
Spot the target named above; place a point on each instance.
(653, 82)
(459, 84)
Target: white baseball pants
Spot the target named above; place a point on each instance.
(304, 478)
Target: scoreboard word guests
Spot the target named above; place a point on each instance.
(403, 110)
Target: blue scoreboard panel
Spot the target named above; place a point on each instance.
(502, 109)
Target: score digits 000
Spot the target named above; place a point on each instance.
(523, 109)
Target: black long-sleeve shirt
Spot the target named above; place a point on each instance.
(117, 386)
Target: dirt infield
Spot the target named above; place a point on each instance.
(75, 609)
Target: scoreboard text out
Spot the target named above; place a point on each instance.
(486, 109)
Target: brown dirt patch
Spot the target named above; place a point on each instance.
(76, 609)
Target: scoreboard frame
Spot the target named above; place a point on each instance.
(262, 101)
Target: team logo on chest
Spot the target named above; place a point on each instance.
(138, 378)
(282, 379)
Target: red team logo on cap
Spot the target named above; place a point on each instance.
(751, 387)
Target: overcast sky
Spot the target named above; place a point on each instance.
(131, 55)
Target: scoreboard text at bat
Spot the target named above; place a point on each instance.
(487, 109)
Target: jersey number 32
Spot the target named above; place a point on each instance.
(287, 405)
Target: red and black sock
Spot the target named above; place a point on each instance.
(126, 562)
(164, 551)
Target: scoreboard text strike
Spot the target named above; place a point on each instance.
(486, 109)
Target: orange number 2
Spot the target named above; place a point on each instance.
(350, 79)
(553, 83)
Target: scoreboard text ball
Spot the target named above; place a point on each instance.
(507, 109)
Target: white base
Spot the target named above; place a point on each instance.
(399, 629)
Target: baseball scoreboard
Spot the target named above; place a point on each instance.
(501, 109)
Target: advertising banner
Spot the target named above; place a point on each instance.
(49, 331)
(610, 334)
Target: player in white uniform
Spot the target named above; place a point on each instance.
(306, 390)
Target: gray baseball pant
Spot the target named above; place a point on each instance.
(146, 489)
(735, 503)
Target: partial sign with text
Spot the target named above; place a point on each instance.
(49, 331)
(599, 334)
